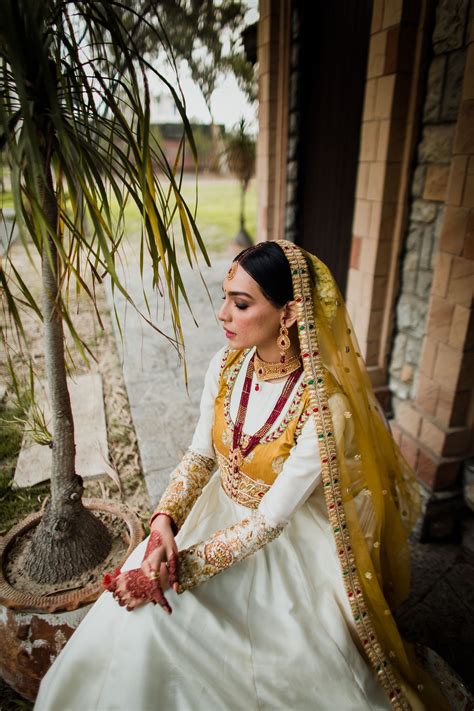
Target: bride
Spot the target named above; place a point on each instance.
(281, 568)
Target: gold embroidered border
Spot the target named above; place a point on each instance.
(313, 368)
(223, 362)
(301, 423)
(239, 487)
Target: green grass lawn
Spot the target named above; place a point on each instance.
(217, 215)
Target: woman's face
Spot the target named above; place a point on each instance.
(249, 319)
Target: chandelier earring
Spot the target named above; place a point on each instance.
(283, 342)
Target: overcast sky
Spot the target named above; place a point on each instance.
(228, 103)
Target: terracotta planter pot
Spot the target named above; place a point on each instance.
(34, 629)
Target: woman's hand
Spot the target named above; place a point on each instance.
(162, 549)
(158, 571)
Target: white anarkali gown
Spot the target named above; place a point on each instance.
(271, 632)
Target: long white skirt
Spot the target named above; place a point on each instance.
(272, 632)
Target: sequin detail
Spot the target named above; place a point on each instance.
(218, 554)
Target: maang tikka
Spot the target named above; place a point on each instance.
(232, 269)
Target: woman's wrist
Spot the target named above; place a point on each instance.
(161, 519)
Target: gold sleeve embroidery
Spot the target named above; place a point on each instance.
(203, 560)
(185, 486)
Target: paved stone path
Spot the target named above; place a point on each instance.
(439, 611)
(163, 412)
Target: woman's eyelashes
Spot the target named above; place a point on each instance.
(239, 305)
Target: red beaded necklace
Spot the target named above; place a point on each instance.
(238, 453)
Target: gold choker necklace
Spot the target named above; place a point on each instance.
(273, 371)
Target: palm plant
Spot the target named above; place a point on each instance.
(240, 150)
(75, 124)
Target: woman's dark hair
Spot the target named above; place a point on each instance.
(267, 264)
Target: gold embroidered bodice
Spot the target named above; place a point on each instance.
(261, 467)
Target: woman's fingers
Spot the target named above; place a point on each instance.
(134, 588)
(109, 580)
(151, 564)
(159, 554)
(173, 570)
(158, 597)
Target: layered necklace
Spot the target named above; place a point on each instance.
(273, 371)
(238, 453)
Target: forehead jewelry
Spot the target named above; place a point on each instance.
(232, 270)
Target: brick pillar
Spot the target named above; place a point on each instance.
(436, 431)
(388, 135)
(273, 43)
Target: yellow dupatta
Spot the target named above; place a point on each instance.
(371, 493)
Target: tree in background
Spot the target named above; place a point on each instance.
(207, 34)
(74, 122)
(240, 150)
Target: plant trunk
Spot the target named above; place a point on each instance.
(243, 190)
(69, 540)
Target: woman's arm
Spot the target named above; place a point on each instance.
(296, 482)
(185, 485)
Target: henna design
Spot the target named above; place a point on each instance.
(138, 585)
(174, 527)
(158, 597)
(154, 542)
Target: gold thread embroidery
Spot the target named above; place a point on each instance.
(185, 485)
(218, 553)
(225, 547)
(239, 487)
(277, 464)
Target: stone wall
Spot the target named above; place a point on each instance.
(428, 188)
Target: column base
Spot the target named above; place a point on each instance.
(442, 517)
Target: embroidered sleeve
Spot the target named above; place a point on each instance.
(186, 484)
(203, 560)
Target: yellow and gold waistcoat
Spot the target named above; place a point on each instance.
(261, 467)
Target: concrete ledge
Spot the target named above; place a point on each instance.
(34, 461)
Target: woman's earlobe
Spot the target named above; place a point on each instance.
(290, 314)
